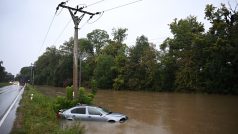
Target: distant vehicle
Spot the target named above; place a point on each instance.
(91, 113)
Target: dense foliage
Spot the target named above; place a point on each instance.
(84, 97)
(192, 60)
(4, 75)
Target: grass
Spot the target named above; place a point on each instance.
(36, 116)
(3, 84)
(52, 92)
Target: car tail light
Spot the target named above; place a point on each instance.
(58, 114)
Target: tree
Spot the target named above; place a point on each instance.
(86, 48)
(184, 46)
(45, 66)
(98, 38)
(222, 51)
(103, 73)
(119, 35)
(67, 47)
(64, 72)
(2, 72)
(25, 74)
(4, 75)
(141, 65)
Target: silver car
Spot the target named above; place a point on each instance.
(91, 113)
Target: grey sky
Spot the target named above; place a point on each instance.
(24, 23)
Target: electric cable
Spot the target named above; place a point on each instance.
(48, 31)
(84, 24)
(85, 6)
(101, 14)
(95, 3)
(121, 6)
(67, 24)
(59, 12)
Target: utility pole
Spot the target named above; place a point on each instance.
(76, 21)
(80, 67)
(32, 74)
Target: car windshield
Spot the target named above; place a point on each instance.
(103, 110)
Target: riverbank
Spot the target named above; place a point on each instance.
(37, 116)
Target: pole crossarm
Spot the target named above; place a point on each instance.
(62, 4)
(76, 19)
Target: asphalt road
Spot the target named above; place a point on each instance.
(8, 95)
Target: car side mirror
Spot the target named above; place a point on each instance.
(100, 114)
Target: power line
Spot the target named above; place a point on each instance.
(95, 3)
(84, 24)
(48, 31)
(121, 6)
(62, 32)
(101, 14)
(60, 12)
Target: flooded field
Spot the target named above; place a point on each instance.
(166, 113)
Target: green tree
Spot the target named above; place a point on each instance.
(98, 38)
(119, 35)
(64, 71)
(67, 47)
(45, 66)
(141, 65)
(2, 72)
(183, 47)
(103, 73)
(222, 51)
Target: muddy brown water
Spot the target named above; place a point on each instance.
(166, 113)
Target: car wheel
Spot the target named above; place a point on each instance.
(122, 120)
(111, 121)
(70, 119)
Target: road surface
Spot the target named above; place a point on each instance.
(9, 101)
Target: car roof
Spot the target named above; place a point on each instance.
(86, 105)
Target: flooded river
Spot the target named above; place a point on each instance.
(167, 113)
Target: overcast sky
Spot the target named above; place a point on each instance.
(24, 23)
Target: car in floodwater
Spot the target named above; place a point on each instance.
(91, 113)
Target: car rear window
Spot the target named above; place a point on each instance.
(78, 111)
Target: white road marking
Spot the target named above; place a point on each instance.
(10, 108)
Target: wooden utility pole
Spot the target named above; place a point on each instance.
(32, 74)
(76, 21)
(75, 56)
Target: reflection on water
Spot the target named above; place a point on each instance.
(167, 113)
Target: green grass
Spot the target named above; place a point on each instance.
(36, 116)
(2, 84)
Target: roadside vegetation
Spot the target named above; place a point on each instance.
(37, 116)
(5, 77)
(2, 84)
(63, 102)
(192, 60)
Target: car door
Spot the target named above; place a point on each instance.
(79, 113)
(95, 115)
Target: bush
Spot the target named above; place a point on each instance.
(94, 87)
(84, 97)
(69, 91)
(118, 83)
(62, 102)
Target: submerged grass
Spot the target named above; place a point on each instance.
(37, 116)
